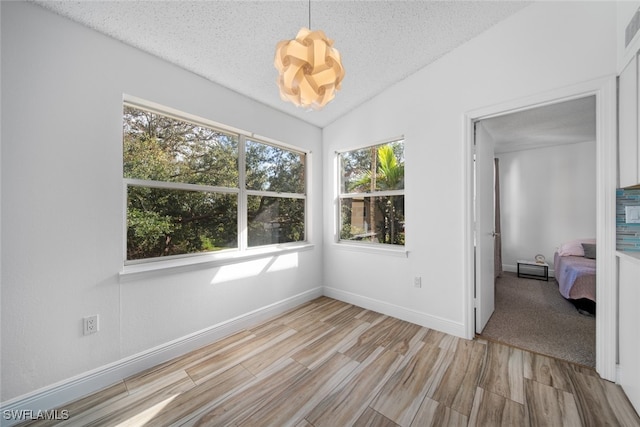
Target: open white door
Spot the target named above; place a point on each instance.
(484, 227)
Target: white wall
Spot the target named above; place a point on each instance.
(62, 205)
(548, 196)
(546, 46)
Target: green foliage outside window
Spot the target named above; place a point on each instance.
(372, 194)
(274, 219)
(188, 195)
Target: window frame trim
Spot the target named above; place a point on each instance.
(171, 185)
(153, 107)
(370, 145)
(382, 193)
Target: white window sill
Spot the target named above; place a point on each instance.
(196, 262)
(373, 248)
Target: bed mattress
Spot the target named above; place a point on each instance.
(576, 276)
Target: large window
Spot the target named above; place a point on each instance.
(372, 194)
(194, 188)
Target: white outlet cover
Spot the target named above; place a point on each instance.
(632, 214)
(90, 325)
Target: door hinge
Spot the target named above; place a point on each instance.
(475, 132)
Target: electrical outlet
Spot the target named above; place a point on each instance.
(90, 325)
(417, 282)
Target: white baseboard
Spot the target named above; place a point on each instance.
(56, 395)
(403, 313)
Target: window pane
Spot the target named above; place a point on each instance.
(376, 168)
(275, 220)
(385, 225)
(274, 169)
(165, 149)
(163, 222)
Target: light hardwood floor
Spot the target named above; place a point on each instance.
(328, 363)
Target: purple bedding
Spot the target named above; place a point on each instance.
(576, 276)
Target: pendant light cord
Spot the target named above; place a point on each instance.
(309, 15)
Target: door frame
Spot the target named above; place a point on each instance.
(605, 91)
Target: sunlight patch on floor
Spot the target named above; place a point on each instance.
(149, 414)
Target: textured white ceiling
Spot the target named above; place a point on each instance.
(232, 43)
(565, 122)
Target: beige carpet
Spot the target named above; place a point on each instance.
(531, 314)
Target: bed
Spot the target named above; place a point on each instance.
(576, 276)
(575, 270)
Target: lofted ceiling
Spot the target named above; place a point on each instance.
(232, 43)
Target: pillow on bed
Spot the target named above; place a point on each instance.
(589, 250)
(574, 247)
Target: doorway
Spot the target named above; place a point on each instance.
(541, 182)
(604, 91)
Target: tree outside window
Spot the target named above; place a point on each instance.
(185, 192)
(372, 194)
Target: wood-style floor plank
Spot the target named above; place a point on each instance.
(504, 372)
(325, 310)
(329, 363)
(224, 360)
(140, 408)
(546, 370)
(590, 396)
(435, 414)
(248, 399)
(373, 338)
(402, 394)
(457, 388)
(547, 405)
(620, 405)
(372, 317)
(371, 418)
(263, 359)
(317, 352)
(491, 409)
(182, 363)
(202, 396)
(344, 316)
(351, 397)
(87, 409)
(305, 394)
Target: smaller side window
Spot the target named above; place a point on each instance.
(372, 194)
